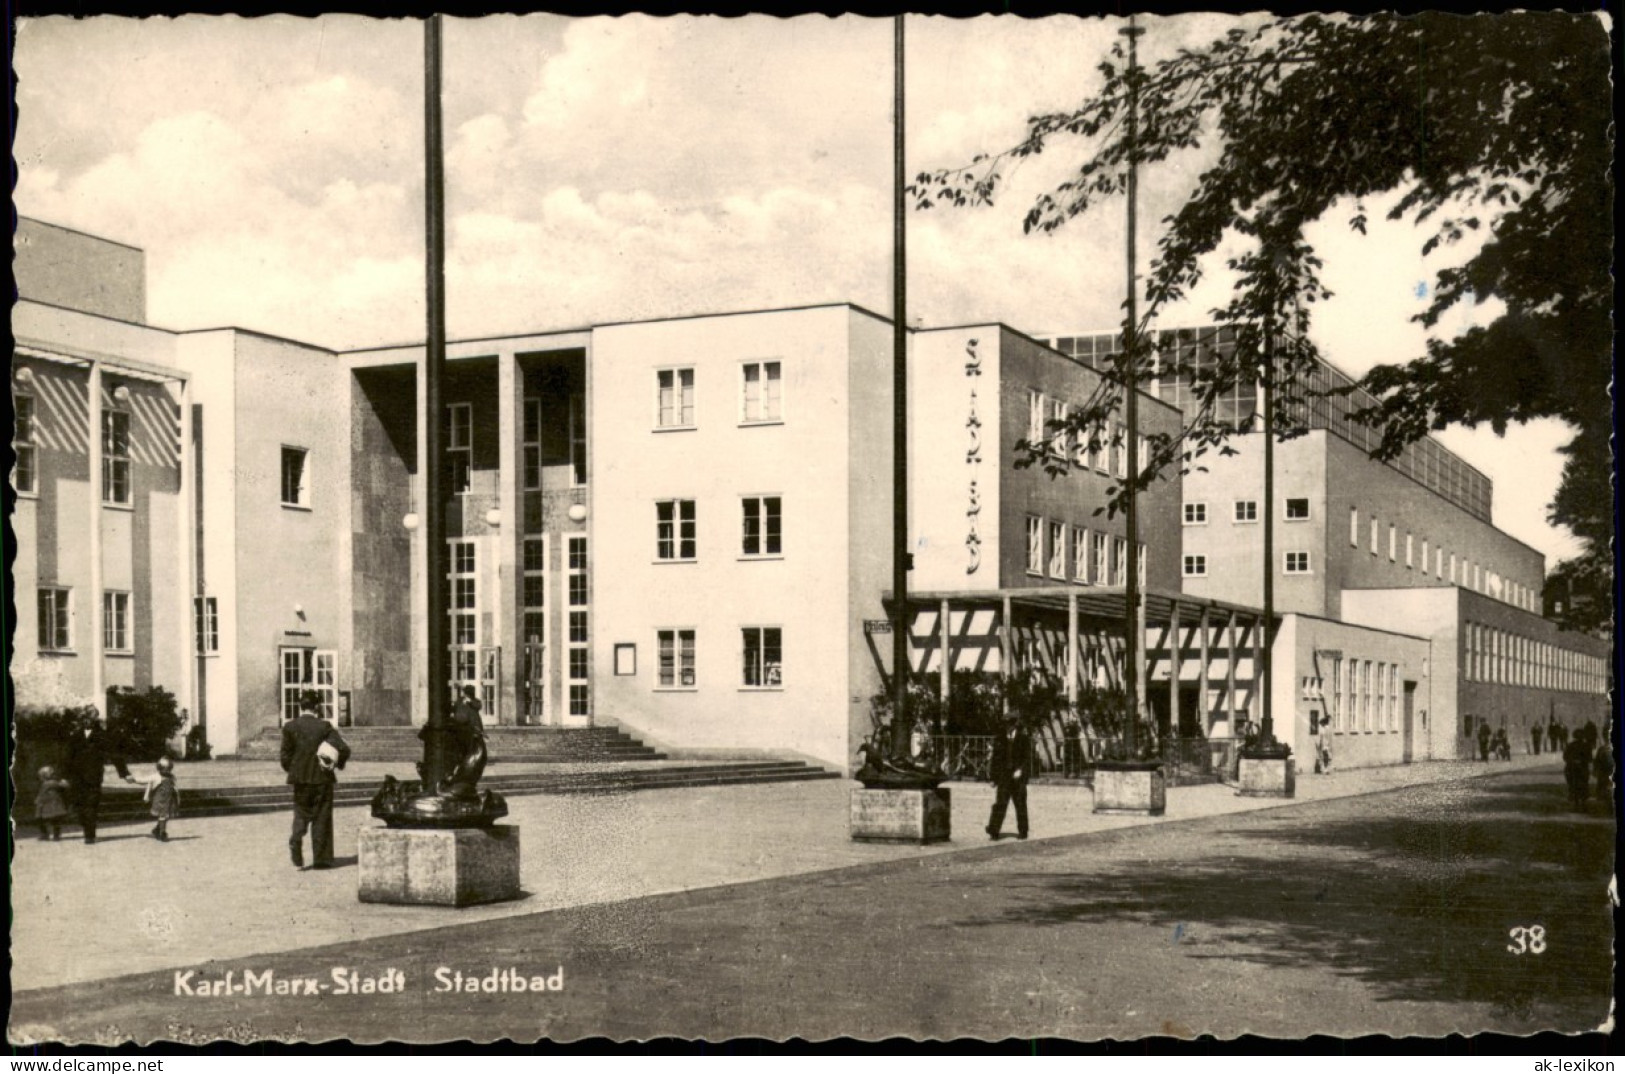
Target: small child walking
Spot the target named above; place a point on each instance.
(50, 803)
(165, 799)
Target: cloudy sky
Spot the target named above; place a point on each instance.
(614, 169)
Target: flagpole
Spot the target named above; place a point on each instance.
(900, 556)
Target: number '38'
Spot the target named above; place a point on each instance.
(1530, 940)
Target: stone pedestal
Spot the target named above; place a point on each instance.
(1140, 789)
(1267, 777)
(900, 816)
(439, 867)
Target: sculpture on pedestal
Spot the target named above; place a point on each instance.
(446, 794)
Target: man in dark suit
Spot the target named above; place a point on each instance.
(88, 757)
(1012, 761)
(311, 772)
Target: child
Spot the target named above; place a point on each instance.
(50, 805)
(164, 797)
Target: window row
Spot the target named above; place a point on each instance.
(1293, 509)
(1499, 656)
(760, 396)
(760, 658)
(1423, 555)
(1365, 695)
(761, 529)
(1195, 566)
(1103, 449)
(1089, 558)
(116, 488)
(54, 605)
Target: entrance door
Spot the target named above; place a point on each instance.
(534, 703)
(309, 669)
(490, 685)
(1409, 740)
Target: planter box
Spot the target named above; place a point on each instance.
(1130, 788)
(1267, 777)
(900, 816)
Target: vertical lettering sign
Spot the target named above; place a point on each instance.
(973, 459)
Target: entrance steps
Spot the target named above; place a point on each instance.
(506, 745)
(121, 805)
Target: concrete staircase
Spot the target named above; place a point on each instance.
(121, 805)
(510, 745)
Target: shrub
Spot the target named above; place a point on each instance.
(140, 724)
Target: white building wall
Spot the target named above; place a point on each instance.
(804, 460)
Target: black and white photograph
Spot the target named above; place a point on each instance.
(1093, 528)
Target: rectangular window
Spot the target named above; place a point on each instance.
(1393, 697)
(578, 440)
(1354, 527)
(1035, 545)
(579, 659)
(1080, 555)
(1140, 562)
(1393, 543)
(1097, 559)
(25, 477)
(115, 457)
(1057, 551)
(533, 626)
(1119, 561)
(295, 477)
(1058, 438)
(762, 392)
(1195, 566)
(116, 622)
(1335, 709)
(674, 405)
(1408, 551)
(676, 668)
(1035, 417)
(1297, 563)
(463, 611)
(674, 530)
(55, 619)
(206, 625)
(1120, 451)
(1365, 695)
(761, 518)
(531, 462)
(1374, 534)
(1196, 514)
(1297, 509)
(1424, 555)
(1246, 511)
(460, 446)
(1098, 448)
(764, 656)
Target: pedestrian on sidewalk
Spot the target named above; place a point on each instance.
(88, 756)
(50, 804)
(311, 750)
(1012, 760)
(1484, 741)
(1602, 770)
(1576, 767)
(165, 799)
(1534, 739)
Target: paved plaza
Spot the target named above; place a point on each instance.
(1378, 901)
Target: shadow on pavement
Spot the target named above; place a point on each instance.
(1418, 898)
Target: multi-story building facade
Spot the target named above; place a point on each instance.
(1406, 546)
(683, 526)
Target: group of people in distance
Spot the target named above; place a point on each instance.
(1588, 760)
(74, 792)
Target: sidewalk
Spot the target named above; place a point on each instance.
(223, 889)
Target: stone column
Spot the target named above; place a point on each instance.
(510, 534)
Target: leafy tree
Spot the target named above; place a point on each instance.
(1495, 124)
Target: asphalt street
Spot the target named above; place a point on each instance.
(1391, 913)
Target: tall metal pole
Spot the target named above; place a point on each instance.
(1266, 734)
(900, 556)
(438, 760)
(1131, 410)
